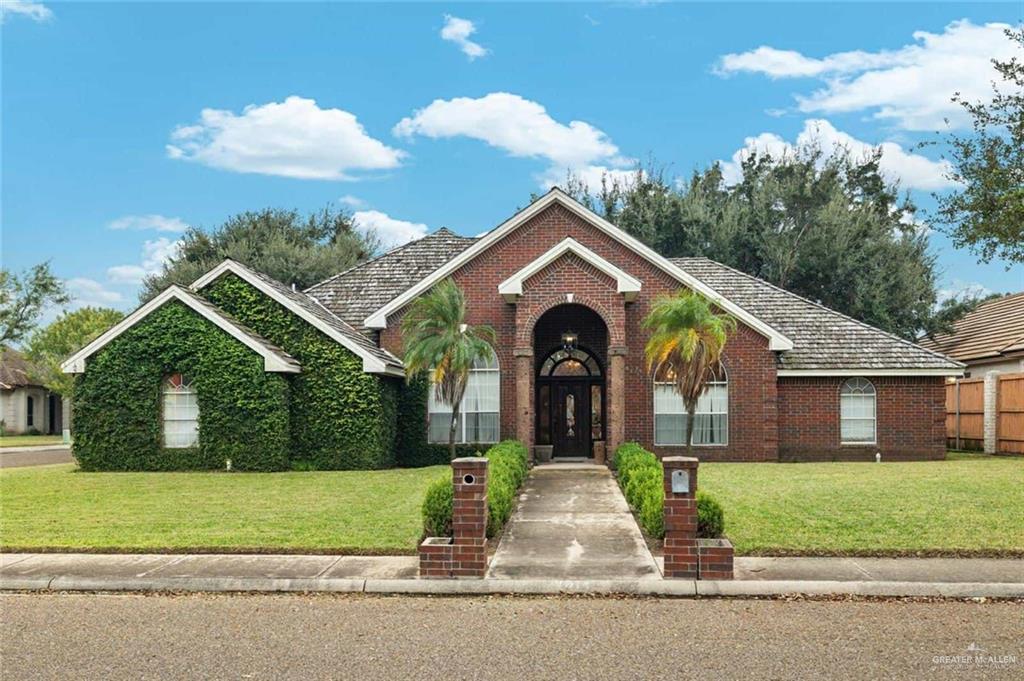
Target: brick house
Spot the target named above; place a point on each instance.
(566, 293)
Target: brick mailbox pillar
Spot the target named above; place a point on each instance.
(465, 553)
(681, 558)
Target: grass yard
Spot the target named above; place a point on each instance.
(29, 440)
(59, 507)
(970, 504)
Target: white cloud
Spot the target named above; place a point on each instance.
(458, 30)
(391, 231)
(36, 11)
(520, 127)
(913, 171)
(910, 86)
(962, 290)
(293, 138)
(352, 201)
(155, 253)
(590, 175)
(152, 222)
(86, 292)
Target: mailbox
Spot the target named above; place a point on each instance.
(680, 481)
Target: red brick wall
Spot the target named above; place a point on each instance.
(909, 411)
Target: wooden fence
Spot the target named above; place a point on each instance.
(965, 413)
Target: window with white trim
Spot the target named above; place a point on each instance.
(479, 419)
(711, 419)
(180, 412)
(857, 418)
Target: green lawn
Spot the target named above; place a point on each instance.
(29, 440)
(969, 504)
(343, 512)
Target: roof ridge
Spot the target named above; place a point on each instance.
(835, 312)
(375, 258)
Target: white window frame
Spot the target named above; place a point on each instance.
(187, 390)
(655, 413)
(460, 436)
(857, 384)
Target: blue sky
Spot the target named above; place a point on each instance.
(124, 121)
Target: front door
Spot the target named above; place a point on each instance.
(571, 420)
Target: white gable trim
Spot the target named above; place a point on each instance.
(627, 285)
(810, 373)
(379, 319)
(371, 363)
(272, 361)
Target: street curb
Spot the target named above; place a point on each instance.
(679, 588)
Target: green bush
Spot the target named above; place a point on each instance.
(506, 471)
(641, 478)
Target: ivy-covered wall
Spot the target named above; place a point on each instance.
(341, 418)
(413, 450)
(243, 410)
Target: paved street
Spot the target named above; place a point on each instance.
(367, 637)
(17, 457)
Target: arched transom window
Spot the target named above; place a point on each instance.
(478, 419)
(711, 420)
(574, 362)
(857, 412)
(180, 412)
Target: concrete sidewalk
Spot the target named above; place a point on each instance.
(955, 578)
(38, 455)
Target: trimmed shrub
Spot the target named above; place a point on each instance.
(341, 418)
(243, 410)
(642, 480)
(506, 471)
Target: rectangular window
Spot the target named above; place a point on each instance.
(180, 412)
(711, 419)
(479, 416)
(857, 419)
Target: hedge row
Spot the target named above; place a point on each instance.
(642, 480)
(507, 470)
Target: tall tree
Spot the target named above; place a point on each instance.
(49, 346)
(689, 336)
(283, 244)
(23, 297)
(816, 222)
(438, 342)
(986, 214)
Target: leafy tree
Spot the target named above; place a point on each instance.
(283, 244)
(23, 298)
(72, 331)
(438, 342)
(986, 214)
(688, 335)
(816, 222)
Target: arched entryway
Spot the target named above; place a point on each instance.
(570, 349)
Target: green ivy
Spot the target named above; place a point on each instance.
(243, 410)
(341, 417)
(412, 448)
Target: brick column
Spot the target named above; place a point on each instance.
(524, 396)
(469, 517)
(991, 399)
(681, 559)
(616, 397)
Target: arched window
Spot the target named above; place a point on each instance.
(711, 420)
(479, 411)
(181, 412)
(574, 362)
(857, 412)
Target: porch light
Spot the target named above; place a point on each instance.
(569, 340)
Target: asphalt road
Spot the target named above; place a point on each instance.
(18, 457)
(362, 637)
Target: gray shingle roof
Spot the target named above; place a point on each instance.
(822, 338)
(270, 347)
(360, 291)
(314, 308)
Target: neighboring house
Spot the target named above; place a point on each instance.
(25, 406)
(241, 362)
(989, 338)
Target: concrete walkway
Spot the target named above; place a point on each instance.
(38, 455)
(572, 523)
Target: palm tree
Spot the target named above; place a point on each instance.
(438, 342)
(688, 335)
